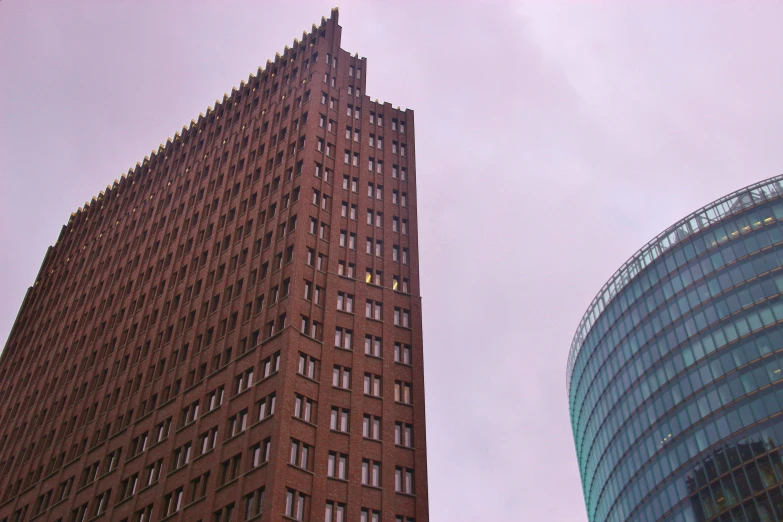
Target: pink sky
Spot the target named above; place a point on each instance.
(553, 140)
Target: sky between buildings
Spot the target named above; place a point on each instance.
(552, 140)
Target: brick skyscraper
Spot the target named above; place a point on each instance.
(233, 330)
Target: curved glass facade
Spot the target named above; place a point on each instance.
(674, 376)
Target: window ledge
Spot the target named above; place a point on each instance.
(209, 451)
(228, 483)
(301, 469)
(304, 421)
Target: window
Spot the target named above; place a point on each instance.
(224, 514)
(372, 345)
(352, 241)
(152, 472)
(237, 423)
(395, 224)
(403, 434)
(403, 480)
(402, 317)
(138, 444)
(229, 469)
(198, 487)
(295, 504)
(266, 406)
(300, 454)
(181, 456)
(243, 381)
(112, 459)
(345, 302)
(402, 392)
(337, 465)
(143, 515)
(259, 453)
(341, 377)
(343, 270)
(372, 384)
(207, 440)
(342, 338)
(372, 310)
(371, 473)
(254, 503)
(400, 518)
(405, 227)
(215, 398)
(404, 256)
(402, 353)
(307, 366)
(371, 427)
(370, 515)
(128, 486)
(172, 502)
(270, 365)
(339, 419)
(303, 408)
(374, 278)
(335, 512)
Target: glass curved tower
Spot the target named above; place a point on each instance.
(674, 375)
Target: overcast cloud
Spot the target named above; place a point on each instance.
(553, 140)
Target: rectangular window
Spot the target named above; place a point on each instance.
(339, 419)
(372, 346)
(403, 480)
(402, 392)
(294, 504)
(254, 503)
(335, 512)
(372, 384)
(270, 365)
(303, 408)
(259, 453)
(237, 423)
(307, 366)
(342, 338)
(300, 454)
(371, 473)
(370, 515)
(345, 302)
(373, 310)
(371, 427)
(266, 407)
(402, 353)
(403, 434)
(341, 377)
(337, 465)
